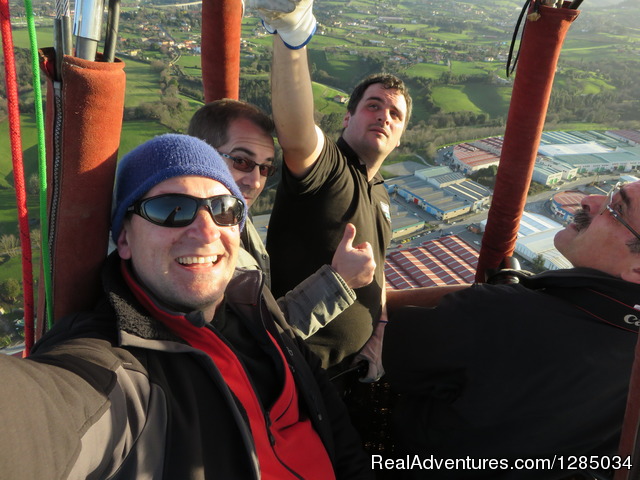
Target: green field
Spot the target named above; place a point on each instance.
(142, 83)
(190, 62)
(324, 99)
(12, 268)
(434, 71)
(491, 99)
(8, 209)
(453, 99)
(44, 35)
(427, 70)
(339, 52)
(340, 65)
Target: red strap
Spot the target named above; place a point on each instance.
(18, 173)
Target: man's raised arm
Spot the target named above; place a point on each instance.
(291, 93)
(292, 102)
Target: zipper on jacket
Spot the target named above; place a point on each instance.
(275, 453)
(265, 414)
(272, 439)
(262, 305)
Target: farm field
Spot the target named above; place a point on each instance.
(454, 48)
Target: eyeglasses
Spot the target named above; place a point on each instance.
(246, 165)
(175, 210)
(614, 213)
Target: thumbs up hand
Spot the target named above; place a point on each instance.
(354, 264)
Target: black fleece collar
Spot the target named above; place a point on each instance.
(604, 297)
(132, 316)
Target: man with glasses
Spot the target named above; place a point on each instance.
(528, 370)
(186, 368)
(242, 134)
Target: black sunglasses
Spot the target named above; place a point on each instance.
(246, 165)
(176, 210)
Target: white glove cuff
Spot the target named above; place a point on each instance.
(301, 34)
(269, 28)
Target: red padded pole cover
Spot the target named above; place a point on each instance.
(220, 57)
(539, 51)
(80, 185)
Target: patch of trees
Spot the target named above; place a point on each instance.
(323, 77)
(461, 119)
(192, 87)
(9, 245)
(538, 264)
(332, 124)
(424, 139)
(10, 330)
(535, 188)
(450, 78)
(449, 24)
(23, 70)
(24, 79)
(485, 176)
(170, 110)
(10, 290)
(617, 106)
(256, 91)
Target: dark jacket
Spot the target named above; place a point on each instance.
(114, 394)
(531, 370)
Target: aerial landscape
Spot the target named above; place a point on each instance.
(453, 56)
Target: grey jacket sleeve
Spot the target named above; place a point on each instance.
(316, 301)
(310, 305)
(72, 413)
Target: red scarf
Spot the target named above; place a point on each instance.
(286, 443)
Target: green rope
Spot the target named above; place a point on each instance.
(42, 163)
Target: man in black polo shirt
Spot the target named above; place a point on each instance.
(326, 184)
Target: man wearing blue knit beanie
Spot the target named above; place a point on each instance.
(185, 368)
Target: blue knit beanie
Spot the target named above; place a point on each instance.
(160, 159)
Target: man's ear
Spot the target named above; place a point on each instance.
(345, 120)
(124, 250)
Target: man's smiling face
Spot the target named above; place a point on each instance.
(186, 268)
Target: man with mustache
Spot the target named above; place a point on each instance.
(327, 184)
(526, 370)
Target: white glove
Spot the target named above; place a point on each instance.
(293, 20)
(372, 353)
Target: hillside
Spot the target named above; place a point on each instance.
(452, 54)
